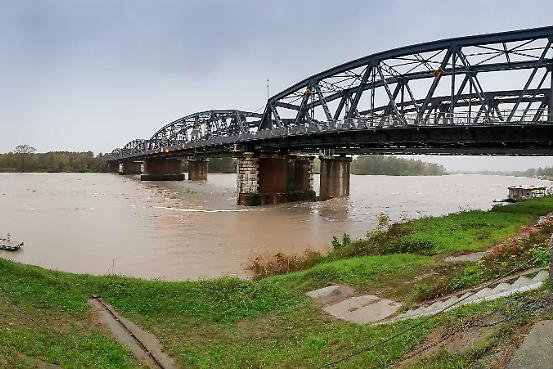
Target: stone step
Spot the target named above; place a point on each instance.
(465, 297)
(501, 287)
(483, 293)
(522, 284)
(522, 281)
(450, 302)
(541, 276)
(363, 309)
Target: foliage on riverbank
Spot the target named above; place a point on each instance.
(53, 162)
(394, 166)
(222, 165)
(465, 231)
(389, 166)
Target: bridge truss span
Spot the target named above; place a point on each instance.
(484, 94)
(432, 82)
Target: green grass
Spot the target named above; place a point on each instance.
(225, 323)
(361, 272)
(219, 323)
(464, 231)
(476, 230)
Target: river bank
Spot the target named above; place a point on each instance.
(270, 323)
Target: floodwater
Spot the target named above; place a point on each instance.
(106, 223)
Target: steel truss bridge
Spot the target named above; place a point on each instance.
(484, 94)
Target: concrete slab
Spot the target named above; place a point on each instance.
(331, 294)
(536, 351)
(124, 337)
(475, 256)
(363, 309)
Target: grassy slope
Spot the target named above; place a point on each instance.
(473, 230)
(228, 322)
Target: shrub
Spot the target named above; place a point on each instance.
(281, 264)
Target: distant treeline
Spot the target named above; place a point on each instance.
(23, 159)
(383, 165)
(222, 165)
(394, 166)
(532, 172)
(53, 162)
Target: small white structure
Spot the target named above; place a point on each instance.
(526, 192)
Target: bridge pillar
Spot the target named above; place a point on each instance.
(335, 173)
(197, 169)
(274, 178)
(162, 169)
(130, 167)
(113, 166)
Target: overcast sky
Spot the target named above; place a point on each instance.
(92, 75)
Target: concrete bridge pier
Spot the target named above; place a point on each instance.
(265, 178)
(130, 167)
(197, 169)
(335, 174)
(162, 169)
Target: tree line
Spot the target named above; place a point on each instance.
(52, 162)
(394, 166)
(25, 159)
(377, 164)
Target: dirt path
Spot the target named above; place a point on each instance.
(144, 345)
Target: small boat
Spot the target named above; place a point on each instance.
(8, 245)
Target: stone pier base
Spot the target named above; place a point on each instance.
(274, 178)
(197, 169)
(335, 173)
(162, 169)
(130, 167)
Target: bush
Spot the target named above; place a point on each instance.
(282, 264)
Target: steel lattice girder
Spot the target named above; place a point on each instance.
(203, 125)
(384, 91)
(390, 73)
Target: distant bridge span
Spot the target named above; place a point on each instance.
(486, 94)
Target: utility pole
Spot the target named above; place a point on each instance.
(268, 91)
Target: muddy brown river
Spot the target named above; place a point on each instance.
(106, 223)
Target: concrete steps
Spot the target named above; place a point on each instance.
(516, 285)
(340, 302)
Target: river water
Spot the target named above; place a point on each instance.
(106, 223)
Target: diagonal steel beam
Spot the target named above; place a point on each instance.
(323, 102)
(474, 82)
(276, 115)
(534, 93)
(360, 88)
(459, 92)
(391, 96)
(529, 81)
(341, 104)
(303, 105)
(392, 99)
(437, 76)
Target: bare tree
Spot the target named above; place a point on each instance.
(24, 149)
